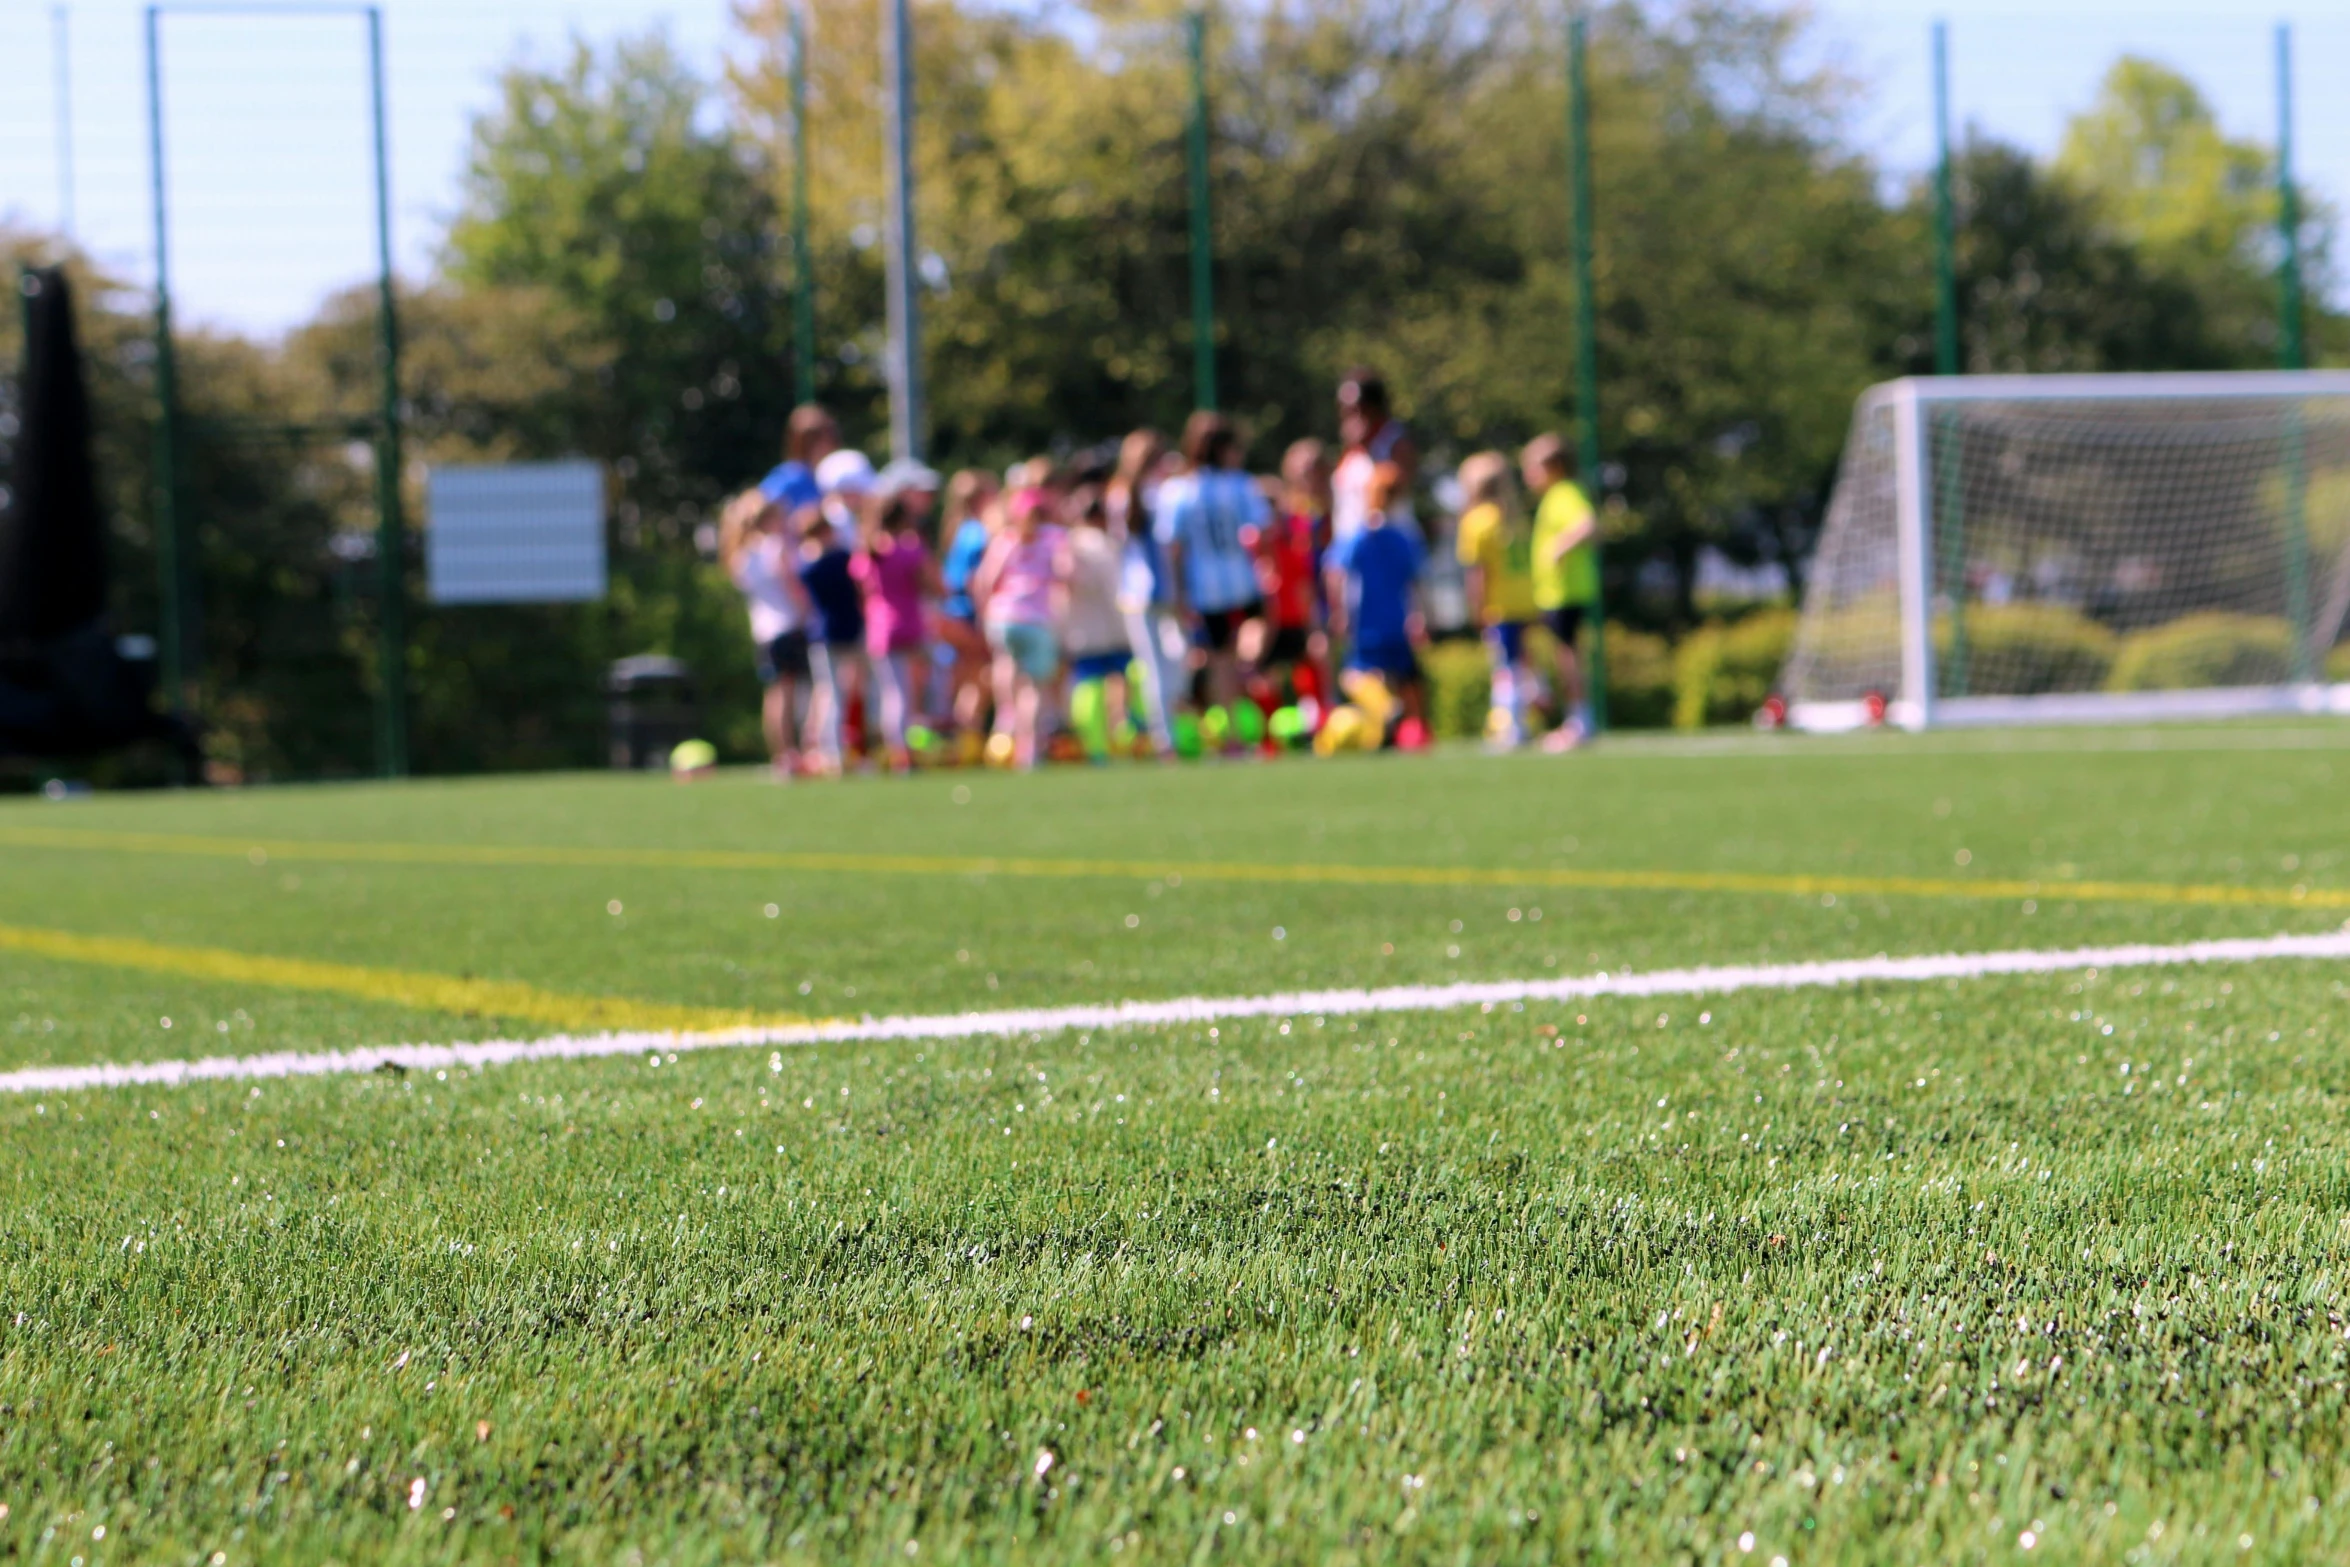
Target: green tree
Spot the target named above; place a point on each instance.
(1389, 183)
(2151, 153)
(1389, 179)
(2196, 205)
(602, 185)
(489, 374)
(1729, 362)
(2047, 284)
(614, 290)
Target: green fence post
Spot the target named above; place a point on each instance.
(1946, 354)
(1203, 277)
(1947, 521)
(2292, 346)
(391, 542)
(2293, 354)
(1587, 451)
(902, 276)
(1949, 513)
(170, 583)
(803, 264)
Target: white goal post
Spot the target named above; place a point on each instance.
(2082, 549)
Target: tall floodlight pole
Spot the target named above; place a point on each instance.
(170, 583)
(391, 538)
(803, 331)
(58, 34)
(1203, 245)
(905, 311)
(1586, 337)
(1945, 216)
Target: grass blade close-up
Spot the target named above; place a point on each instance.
(2015, 1255)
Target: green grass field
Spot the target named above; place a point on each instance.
(1974, 1271)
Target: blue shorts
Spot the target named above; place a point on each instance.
(1396, 660)
(1099, 666)
(1507, 639)
(1033, 649)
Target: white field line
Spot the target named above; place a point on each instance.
(1195, 1009)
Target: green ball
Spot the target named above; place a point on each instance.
(1248, 722)
(1089, 715)
(1288, 725)
(1187, 736)
(920, 737)
(693, 756)
(1215, 726)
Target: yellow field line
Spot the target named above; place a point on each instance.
(504, 998)
(262, 850)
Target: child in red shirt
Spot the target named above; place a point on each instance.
(1284, 549)
(1289, 559)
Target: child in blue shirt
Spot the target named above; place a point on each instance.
(836, 650)
(1374, 577)
(1206, 516)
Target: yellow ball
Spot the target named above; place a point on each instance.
(1346, 729)
(1369, 693)
(1000, 751)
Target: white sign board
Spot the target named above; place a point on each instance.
(515, 533)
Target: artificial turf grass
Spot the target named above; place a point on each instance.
(844, 946)
(631, 1460)
(900, 943)
(59, 1013)
(1899, 806)
(1485, 1257)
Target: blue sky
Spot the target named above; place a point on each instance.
(270, 150)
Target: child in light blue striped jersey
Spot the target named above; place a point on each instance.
(1207, 514)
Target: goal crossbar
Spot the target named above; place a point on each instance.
(2132, 386)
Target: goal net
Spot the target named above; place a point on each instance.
(2020, 549)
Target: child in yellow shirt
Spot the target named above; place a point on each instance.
(1566, 575)
(1496, 546)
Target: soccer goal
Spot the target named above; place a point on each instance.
(2077, 549)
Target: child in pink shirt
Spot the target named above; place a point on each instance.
(1020, 588)
(895, 572)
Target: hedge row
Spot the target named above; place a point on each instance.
(1640, 691)
(1722, 672)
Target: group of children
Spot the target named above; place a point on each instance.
(1154, 600)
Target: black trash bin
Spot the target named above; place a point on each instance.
(651, 709)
